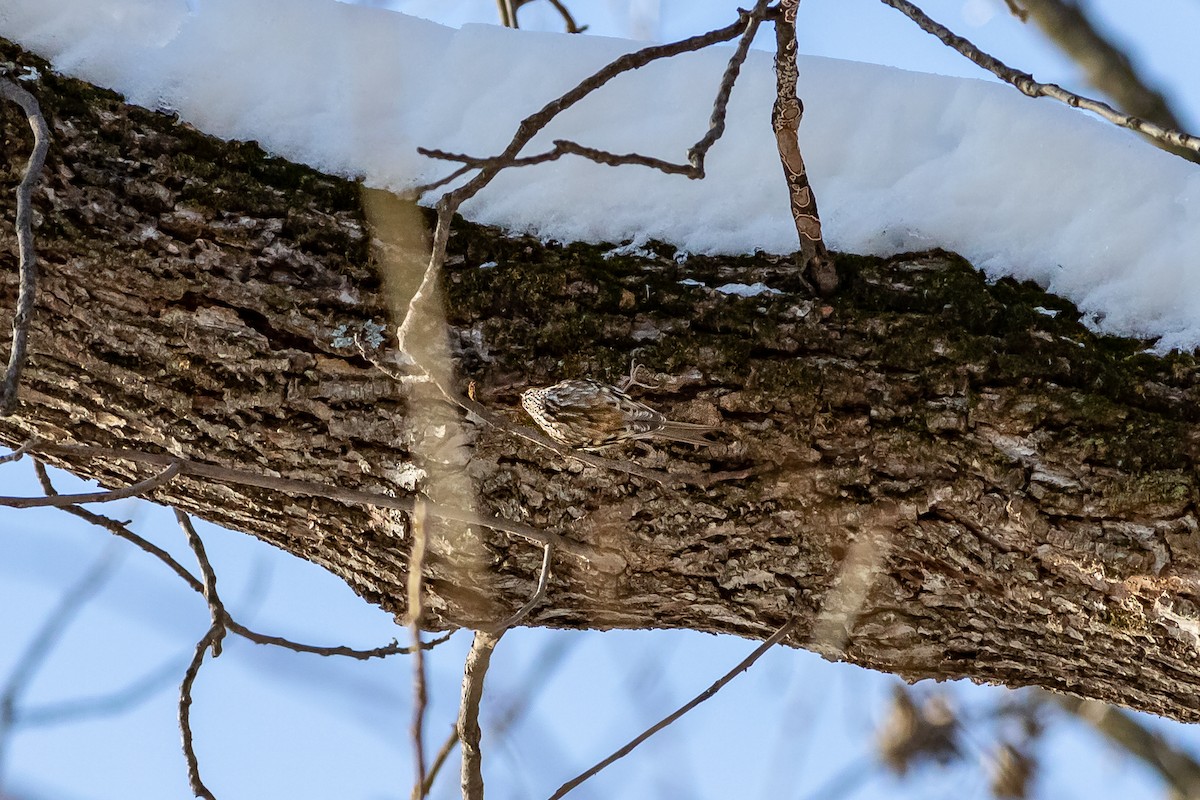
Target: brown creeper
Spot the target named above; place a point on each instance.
(589, 415)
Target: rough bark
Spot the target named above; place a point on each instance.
(943, 477)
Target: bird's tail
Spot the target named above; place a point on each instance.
(688, 432)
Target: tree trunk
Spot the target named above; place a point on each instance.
(940, 476)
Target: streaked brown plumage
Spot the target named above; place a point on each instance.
(588, 414)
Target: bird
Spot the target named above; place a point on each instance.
(589, 415)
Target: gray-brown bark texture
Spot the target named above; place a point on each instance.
(940, 479)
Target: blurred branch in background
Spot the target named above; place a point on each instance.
(1105, 64)
(1179, 770)
(925, 728)
(44, 641)
(1165, 137)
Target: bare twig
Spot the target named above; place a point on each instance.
(19, 453)
(71, 603)
(716, 121)
(564, 147)
(696, 153)
(572, 27)
(24, 224)
(606, 562)
(1025, 83)
(439, 760)
(416, 565)
(469, 733)
(774, 639)
(508, 14)
(526, 130)
(440, 182)
(338, 650)
(785, 120)
(746, 24)
(1106, 65)
(136, 490)
(121, 530)
(561, 8)
(538, 594)
(185, 710)
(215, 607)
(211, 641)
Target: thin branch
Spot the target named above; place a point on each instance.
(1025, 83)
(508, 14)
(604, 561)
(439, 760)
(572, 27)
(716, 121)
(561, 148)
(440, 182)
(568, 20)
(746, 24)
(117, 528)
(696, 153)
(1106, 65)
(136, 490)
(338, 650)
(211, 641)
(19, 453)
(469, 733)
(534, 123)
(475, 162)
(24, 225)
(122, 531)
(785, 121)
(185, 710)
(538, 594)
(416, 566)
(526, 130)
(215, 607)
(774, 639)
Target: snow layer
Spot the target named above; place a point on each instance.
(900, 160)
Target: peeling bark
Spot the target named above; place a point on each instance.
(943, 479)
